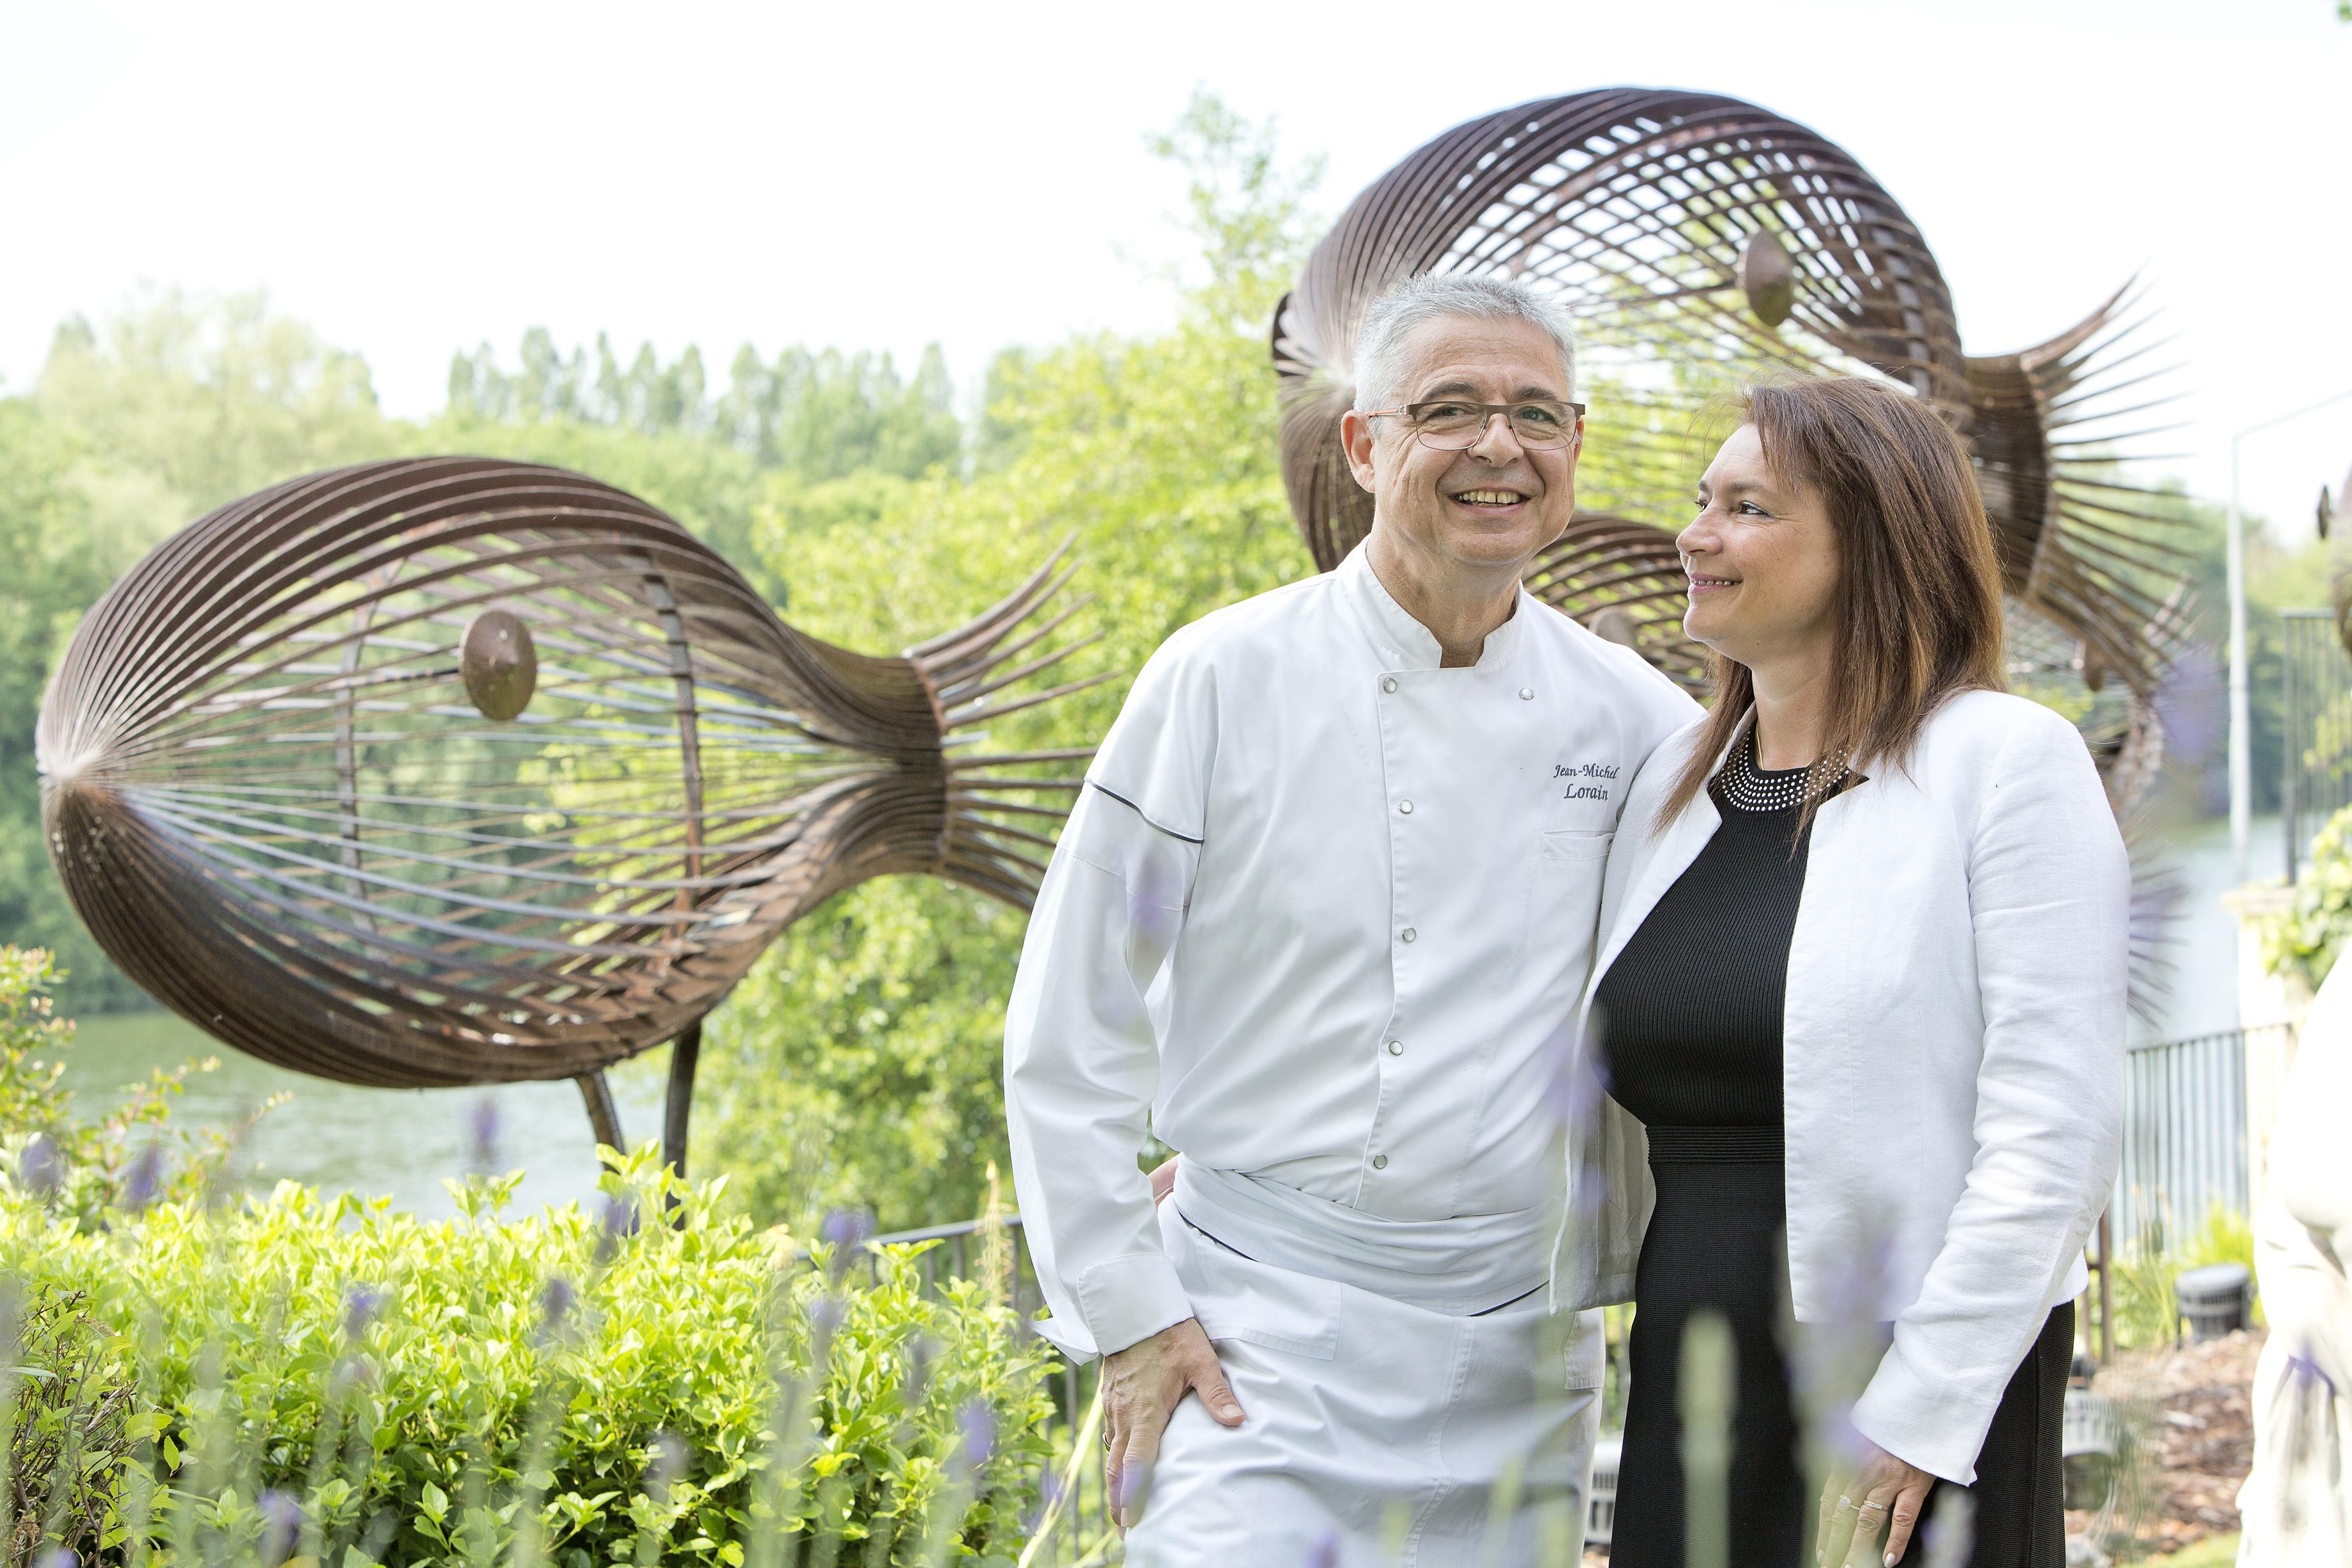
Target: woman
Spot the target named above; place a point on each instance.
(1859, 1012)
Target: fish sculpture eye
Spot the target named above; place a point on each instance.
(498, 663)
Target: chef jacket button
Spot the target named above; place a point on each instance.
(1396, 1047)
(1405, 806)
(1380, 1161)
(1527, 694)
(1409, 933)
(1390, 684)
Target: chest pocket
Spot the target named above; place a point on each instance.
(1571, 844)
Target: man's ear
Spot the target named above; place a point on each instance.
(1356, 440)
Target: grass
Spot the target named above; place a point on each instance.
(2214, 1552)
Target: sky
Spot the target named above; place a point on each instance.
(415, 178)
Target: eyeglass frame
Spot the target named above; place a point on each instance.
(1486, 412)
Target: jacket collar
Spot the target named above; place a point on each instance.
(1407, 644)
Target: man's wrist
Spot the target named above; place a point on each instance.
(1126, 1300)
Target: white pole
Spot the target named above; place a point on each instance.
(2241, 762)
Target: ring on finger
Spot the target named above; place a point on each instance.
(1872, 1507)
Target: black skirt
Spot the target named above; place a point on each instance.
(1716, 1240)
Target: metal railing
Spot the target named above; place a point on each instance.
(2185, 1137)
(2315, 713)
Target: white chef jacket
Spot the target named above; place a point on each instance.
(1322, 915)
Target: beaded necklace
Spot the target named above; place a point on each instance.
(1745, 786)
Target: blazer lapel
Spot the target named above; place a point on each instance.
(1668, 858)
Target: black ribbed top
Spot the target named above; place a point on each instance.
(1690, 1013)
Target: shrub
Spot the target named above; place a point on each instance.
(2303, 939)
(129, 1157)
(647, 1381)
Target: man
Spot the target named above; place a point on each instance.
(1322, 914)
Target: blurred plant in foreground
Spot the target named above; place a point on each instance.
(299, 1380)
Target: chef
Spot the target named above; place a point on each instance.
(1319, 921)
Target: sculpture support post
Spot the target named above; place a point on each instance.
(684, 1053)
(604, 1119)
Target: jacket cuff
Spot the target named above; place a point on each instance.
(1128, 1300)
(1936, 1429)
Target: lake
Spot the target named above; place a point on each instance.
(403, 1143)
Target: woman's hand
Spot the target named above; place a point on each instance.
(1881, 1497)
(1164, 1180)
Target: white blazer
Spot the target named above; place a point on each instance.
(1952, 1058)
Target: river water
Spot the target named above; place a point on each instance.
(404, 1143)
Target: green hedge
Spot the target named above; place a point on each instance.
(337, 1383)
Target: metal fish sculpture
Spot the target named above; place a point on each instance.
(1701, 242)
(456, 771)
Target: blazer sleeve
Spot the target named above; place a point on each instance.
(2049, 896)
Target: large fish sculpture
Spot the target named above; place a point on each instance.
(456, 771)
(1701, 242)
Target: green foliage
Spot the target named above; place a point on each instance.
(2145, 1314)
(129, 1158)
(653, 1381)
(820, 414)
(46, 525)
(2305, 938)
(884, 1010)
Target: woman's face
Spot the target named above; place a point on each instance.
(1762, 559)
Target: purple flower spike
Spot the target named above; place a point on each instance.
(483, 1130)
(58, 1557)
(43, 1167)
(977, 1422)
(282, 1526)
(1325, 1553)
(144, 1179)
(825, 1315)
(361, 1304)
(921, 1353)
(616, 1221)
(556, 1299)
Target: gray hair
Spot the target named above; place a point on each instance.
(1405, 307)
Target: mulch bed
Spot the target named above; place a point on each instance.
(2192, 1406)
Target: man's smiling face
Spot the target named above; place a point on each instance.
(1497, 504)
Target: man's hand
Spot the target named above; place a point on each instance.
(1882, 1497)
(1141, 1386)
(1162, 1180)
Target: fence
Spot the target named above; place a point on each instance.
(2184, 1148)
(2315, 713)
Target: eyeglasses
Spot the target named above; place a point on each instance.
(1448, 424)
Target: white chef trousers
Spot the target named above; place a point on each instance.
(1376, 1433)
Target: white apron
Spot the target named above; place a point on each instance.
(1376, 1432)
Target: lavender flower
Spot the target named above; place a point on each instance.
(42, 1168)
(556, 1299)
(58, 1557)
(483, 1130)
(977, 1423)
(616, 1221)
(282, 1526)
(845, 1230)
(361, 1304)
(1325, 1553)
(921, 1353)
(145, 1178)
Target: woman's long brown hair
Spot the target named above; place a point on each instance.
(1920, 612)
